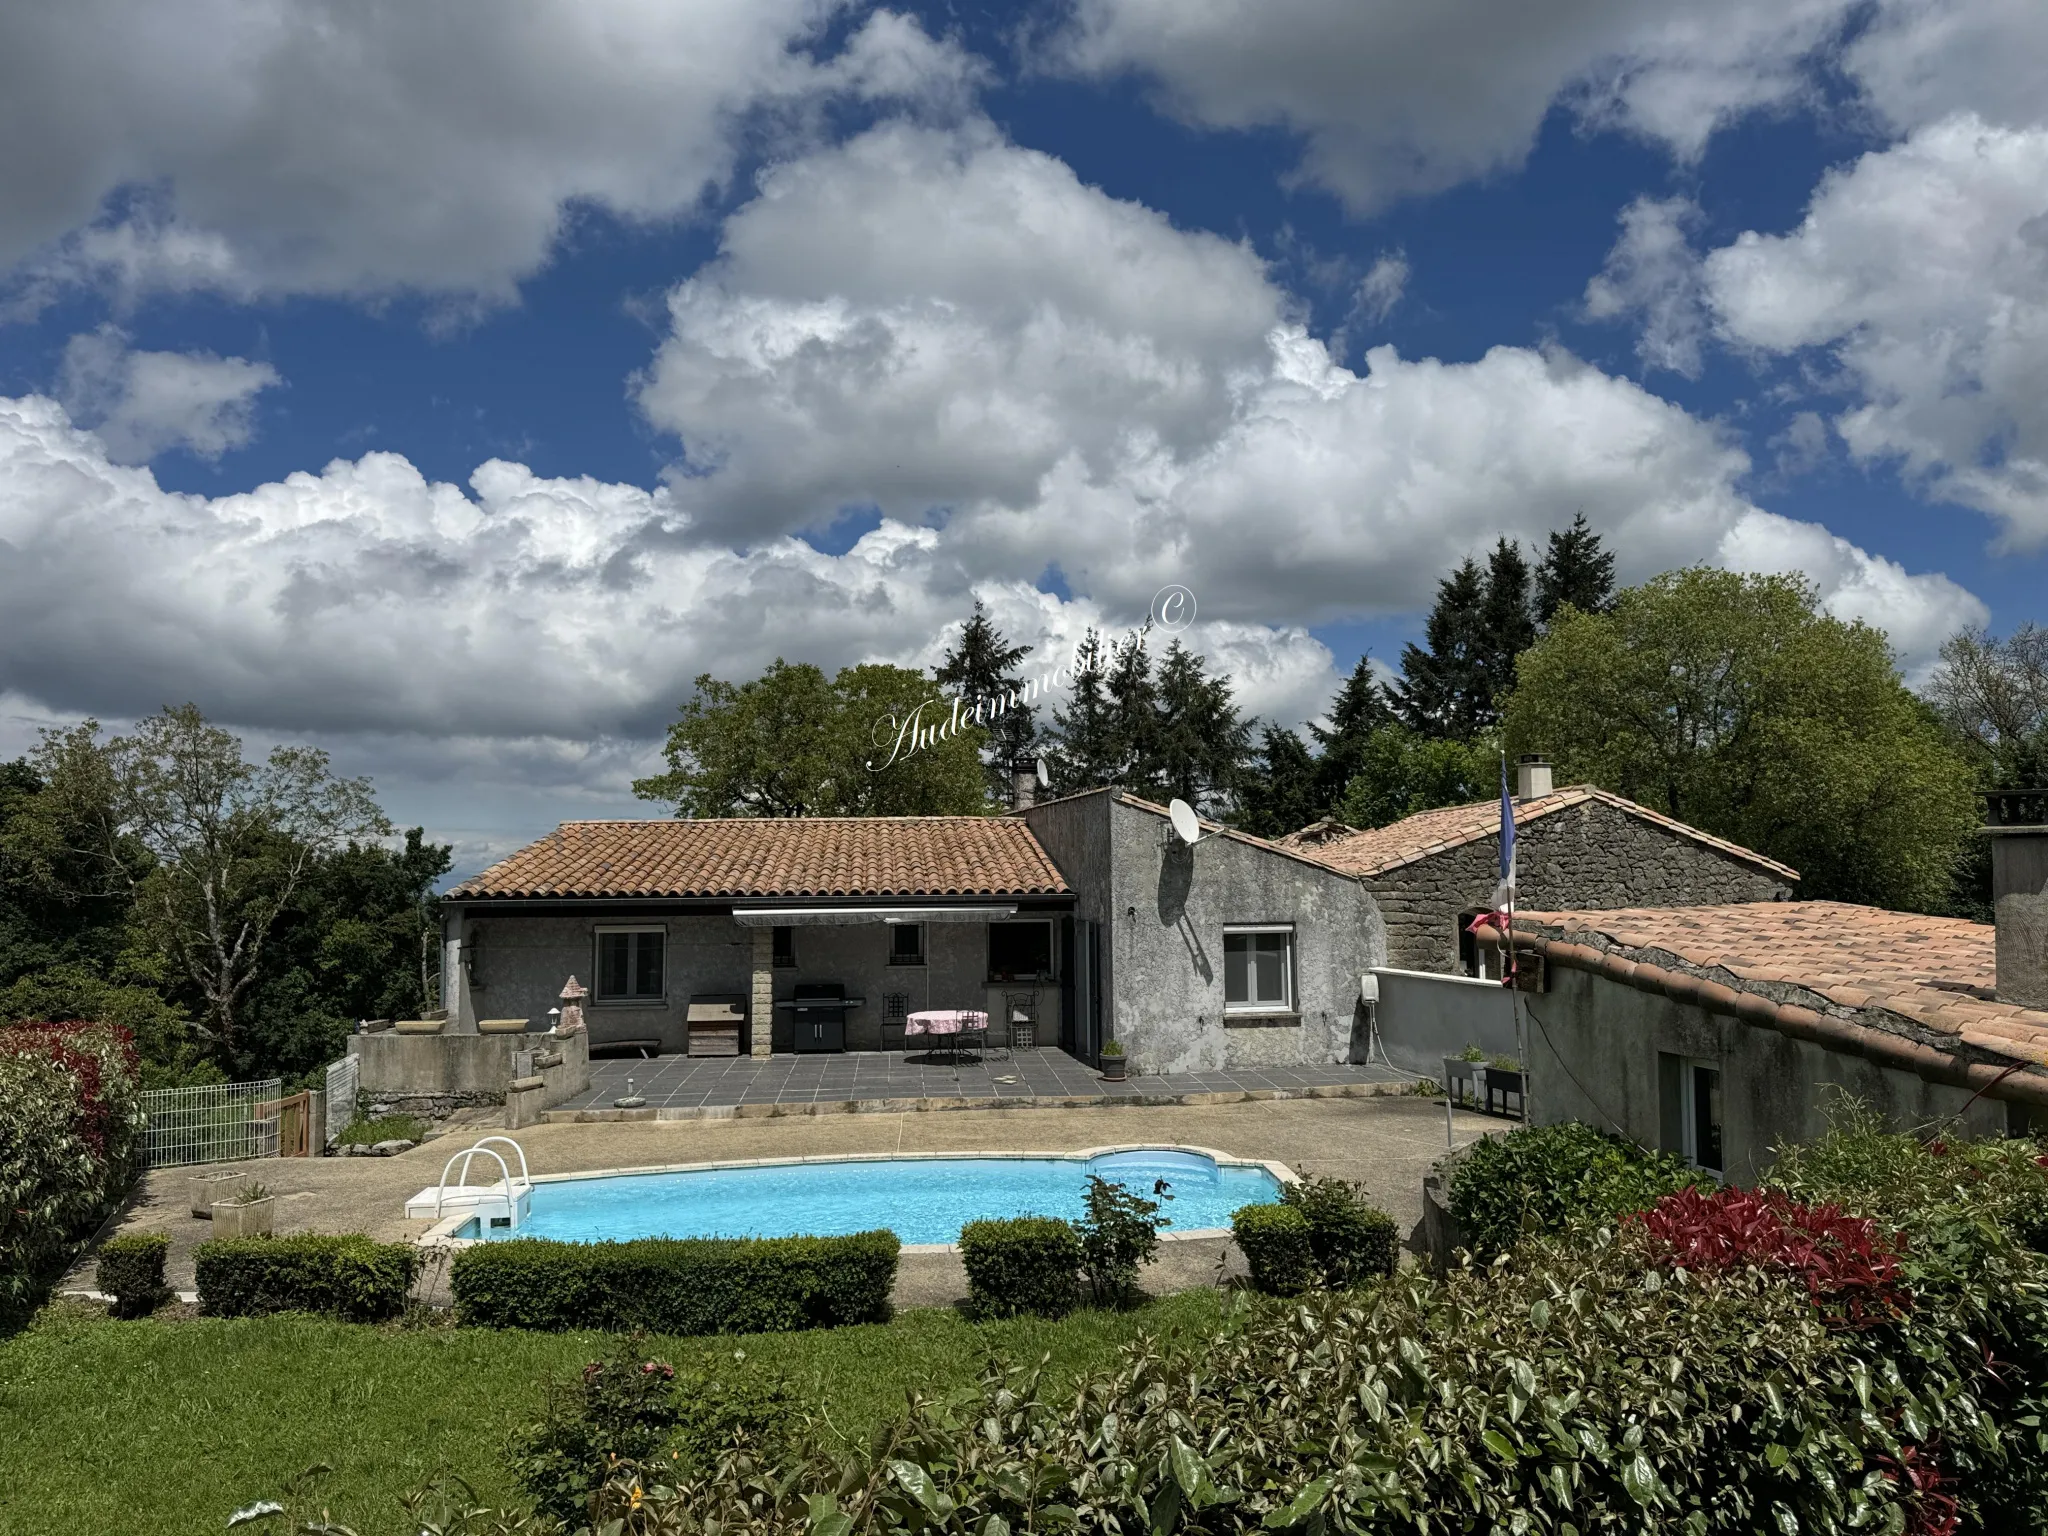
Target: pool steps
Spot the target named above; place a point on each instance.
(505, 1205)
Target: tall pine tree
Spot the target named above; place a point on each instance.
(1439, 691)
(1282, 791)
(984, 666)
(1506, 629)
(1133, 714)
(1359, 709)
(1574, 570)
(1199, 743)
(1085, 749)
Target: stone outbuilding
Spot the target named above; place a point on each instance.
(1577, 847)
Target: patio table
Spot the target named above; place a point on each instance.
(954, 1022)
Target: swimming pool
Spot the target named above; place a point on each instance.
(920, 1199)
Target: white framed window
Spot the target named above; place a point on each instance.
(1693, 1124)
(631, 965)
(906, 943)
(1258, 969)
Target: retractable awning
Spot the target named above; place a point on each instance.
(820, 917)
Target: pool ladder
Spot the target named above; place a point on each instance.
(500, 1207)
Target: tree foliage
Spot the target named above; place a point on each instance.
(209, 849)
(875, 740)
(1994, 695)
(1732, 702)
(1401, 771)
(1575, 571)
(1170, 730)
(983, 665)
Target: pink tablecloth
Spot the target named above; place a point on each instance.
(944, 1021)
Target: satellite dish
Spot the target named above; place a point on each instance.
(1185, 825)
(1044, 778)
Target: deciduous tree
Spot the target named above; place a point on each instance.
(874, 741)
(1733, 702)
(228, 843)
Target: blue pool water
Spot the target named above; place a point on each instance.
(921, 1200)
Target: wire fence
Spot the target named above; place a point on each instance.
(219, 1123)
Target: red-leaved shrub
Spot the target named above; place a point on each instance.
(86, 1051)
(70, 1122)
(1849, 1267)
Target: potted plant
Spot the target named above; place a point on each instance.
(246, 1213)
(1113, 1062)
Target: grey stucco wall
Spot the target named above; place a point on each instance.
(1423, 1019)
(1593, 1049)
(1583, 858)
(1170, 905)
(526, 958)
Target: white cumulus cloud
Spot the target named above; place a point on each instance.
(1652, 275)
(142, 403)
(1392, 97)
(322, 147)
(1921, 271)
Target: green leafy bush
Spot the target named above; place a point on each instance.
(1119, 1235)
(643, 1411)
(1278, 1247)
(1027, 1265)
(1586, 1383)
(70, 1125)
(131, 1270)
(1353, 1240)
(365, 1132)
(1539, 1179)
(678, 1285)
(348, 1277)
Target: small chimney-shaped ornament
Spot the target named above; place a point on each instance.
(571, 1021)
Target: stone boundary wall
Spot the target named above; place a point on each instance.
(1586, 857)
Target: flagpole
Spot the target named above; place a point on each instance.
(1511, 963)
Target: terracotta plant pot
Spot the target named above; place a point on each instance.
(250, 1220)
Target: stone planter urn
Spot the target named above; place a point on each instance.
(209, 1187)
(420, 1026)
(1113, 1067)
(252, 1219)
(501, 1026)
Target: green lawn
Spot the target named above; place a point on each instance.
(162, 1428)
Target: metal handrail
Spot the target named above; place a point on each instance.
(464, 1157)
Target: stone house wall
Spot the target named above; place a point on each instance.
(1585, 857)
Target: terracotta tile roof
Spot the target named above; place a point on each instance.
(1380, 850)
(806, 856)
(1934, 974)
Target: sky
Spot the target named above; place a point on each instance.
(448, 386)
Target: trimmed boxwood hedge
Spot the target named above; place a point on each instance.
(131, 1270)
(678, 1285)
(1276, 1244)
(1027, 1264)
(347, 1277)
(1353, 1240)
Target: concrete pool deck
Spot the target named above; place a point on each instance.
(1387, 1142)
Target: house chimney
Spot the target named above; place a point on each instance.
(1023, 789)
(1532, 776)
(2018, 831)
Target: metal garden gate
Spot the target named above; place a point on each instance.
(219, 1123)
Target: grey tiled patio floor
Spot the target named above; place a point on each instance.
(678, 1082)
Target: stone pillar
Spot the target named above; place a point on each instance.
(761, 1016)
